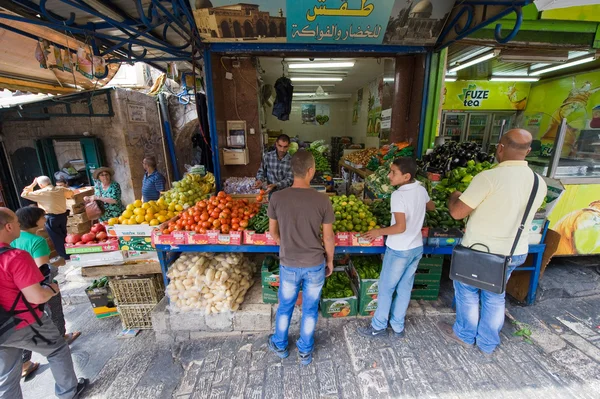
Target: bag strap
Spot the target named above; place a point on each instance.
(536, 183)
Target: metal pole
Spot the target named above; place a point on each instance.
(212, 118)
(164, 110)
(424, 101)
(559, 141)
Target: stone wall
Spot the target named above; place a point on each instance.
(125, 142)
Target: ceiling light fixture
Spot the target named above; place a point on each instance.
(469, 56)
(309, 94)
(316, 79)
(561, 66)
(514, 79)
(551, 56)
(450, 79)
(473, 62)
(315, 65)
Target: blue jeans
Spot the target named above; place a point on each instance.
(311, 279)
(484, 329)
(397, 274)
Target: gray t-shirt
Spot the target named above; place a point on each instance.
(300, 213)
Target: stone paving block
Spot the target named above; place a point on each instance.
(253, 317)
(182, 336)
(254, 294)
(188, 321)
(194, 335)
(219, 321)
(164, 338)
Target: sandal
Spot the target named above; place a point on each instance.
(30, 370)
(70, 337)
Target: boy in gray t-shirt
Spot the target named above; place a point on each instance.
(296, 217)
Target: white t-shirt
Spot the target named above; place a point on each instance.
(410, 199)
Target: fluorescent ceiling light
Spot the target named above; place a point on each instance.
(316, 85)
(514, 79)
(316, 79)
(470, 55)
(561, 66)
(473, 62)
(552, 56)
(309, 94)
(315, 65)
(450, 78)
(388, 80)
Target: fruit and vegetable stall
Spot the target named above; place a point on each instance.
(208, 245)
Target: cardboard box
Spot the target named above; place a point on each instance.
(194, 238)
(343, 239)
(75, 207)
(129, 243)
(142, 255)
(80, 194)
(253, 238)
(236, 156)
(80, 228)
(358, 241)
(269, 278)
(368, 306)
(111, 245)
(233, 238)
(103, 302)
(439, 237)
(340, 307)
(125, 230)
(99, 259)
(174, 238)
(77, 219)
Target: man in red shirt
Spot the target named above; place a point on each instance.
(20, 274)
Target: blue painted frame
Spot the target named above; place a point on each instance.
(212, 117)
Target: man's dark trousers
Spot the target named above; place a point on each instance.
(56, 226)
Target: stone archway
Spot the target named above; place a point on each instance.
(272, 29)
(237, 29)
(282, 32)
(225, 29)
(248, 29)
(261, 28)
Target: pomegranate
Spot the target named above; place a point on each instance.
(88, 237)
(97, 228)
(101, 236)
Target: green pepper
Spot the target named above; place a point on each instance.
(467, 179)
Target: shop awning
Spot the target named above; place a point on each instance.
(543, 5)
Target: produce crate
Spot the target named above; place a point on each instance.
(136, 316)
(103, 302)
(174, 238)
(269, 278)
(135, 291)
(340, 307)
(123, 230)
(426, 291)
(368, 306)
(253, 238)
(343, 239)
(128, 243)
(111, 245)
(430, 269)
(358, 241)
(444, 237)
(79, 228)
(270, 295)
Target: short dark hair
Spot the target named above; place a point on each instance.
(284, 138)
(407, 166)
(28, 216)
(151, 161)
(61, 180)
(301, 161)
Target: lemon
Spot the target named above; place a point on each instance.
(149, 217)
(171, 207)
(154, 222)
(170, 215)
(144, 223)
(145, 205)
(127, 214)
(178, 208)
(161, 218)
(130, 207)
(137, 203)
(125, 222)
(152, 203)
(163, 212)
(140, 218)
(139, 211)
(121, 218)
(112, 221)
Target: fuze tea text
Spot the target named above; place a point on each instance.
(473, 98)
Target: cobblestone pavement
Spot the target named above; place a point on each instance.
(562, 362)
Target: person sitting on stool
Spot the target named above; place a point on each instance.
(53, 200)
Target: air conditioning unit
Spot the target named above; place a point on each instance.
(549, 56)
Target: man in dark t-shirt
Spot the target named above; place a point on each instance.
(296, 217)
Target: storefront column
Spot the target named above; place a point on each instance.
(408, 94)
(433, 109)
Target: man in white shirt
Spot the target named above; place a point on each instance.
(495, 203)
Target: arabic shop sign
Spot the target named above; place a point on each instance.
(485, 95)
(360, 22)
(405, 22)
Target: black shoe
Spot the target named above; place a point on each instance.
(400, 334)
(370, 332)
(305, 358)
(82, 384)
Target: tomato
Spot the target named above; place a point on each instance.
(206, 225)
(204, 217)
(211, 220)
(197, 229)
(201, 204)
(234, 220)
(202, 230)
(215, 214)
(217, 224)
(225, 229)
(222, 215)
(221, 194)
(243, 223)
(221, 206)
(259, 198)
(214, 202)
(165, 231)
(235, 226)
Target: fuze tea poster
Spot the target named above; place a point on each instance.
(576, 218)
(474, 95)
(576, 98)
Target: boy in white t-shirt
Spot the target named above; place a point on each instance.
(404, 248)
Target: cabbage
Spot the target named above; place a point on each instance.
(293, 148)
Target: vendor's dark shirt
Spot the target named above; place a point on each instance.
(300, 213)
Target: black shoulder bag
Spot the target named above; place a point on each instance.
(486, 270)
